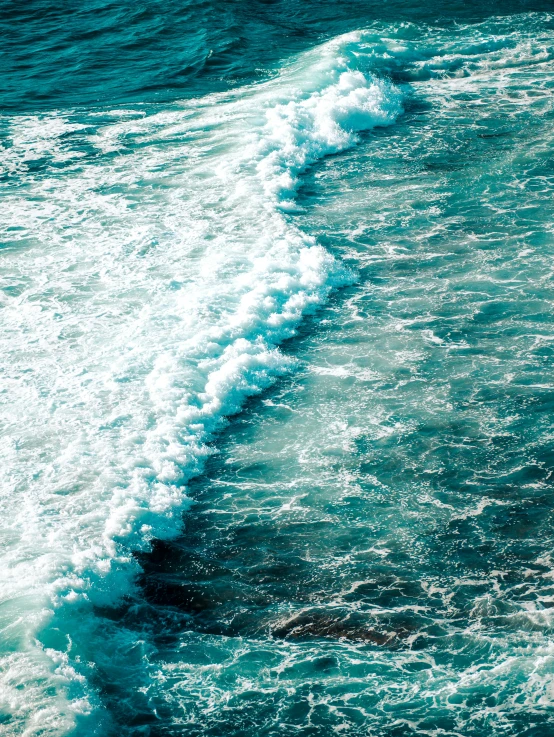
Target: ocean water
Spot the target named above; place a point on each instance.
(276, 348)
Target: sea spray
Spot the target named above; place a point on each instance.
(156, 282)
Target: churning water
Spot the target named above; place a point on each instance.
(337, 220)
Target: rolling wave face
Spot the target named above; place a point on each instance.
(369, 552)
(150, 272)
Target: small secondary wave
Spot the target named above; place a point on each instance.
(157, 273)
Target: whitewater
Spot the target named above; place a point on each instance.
(151, 271)
(277, 307)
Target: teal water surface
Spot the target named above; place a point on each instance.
(366, 548)
(371, 550)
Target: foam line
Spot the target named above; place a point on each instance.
(156, 282)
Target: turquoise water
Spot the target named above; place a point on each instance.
(277, 345)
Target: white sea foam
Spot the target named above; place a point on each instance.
(147, 286)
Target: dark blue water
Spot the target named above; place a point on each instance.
(277, 346)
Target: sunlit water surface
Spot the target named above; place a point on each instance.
(366, 549)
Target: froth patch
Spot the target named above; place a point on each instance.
(156, 285)
(299, 133)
